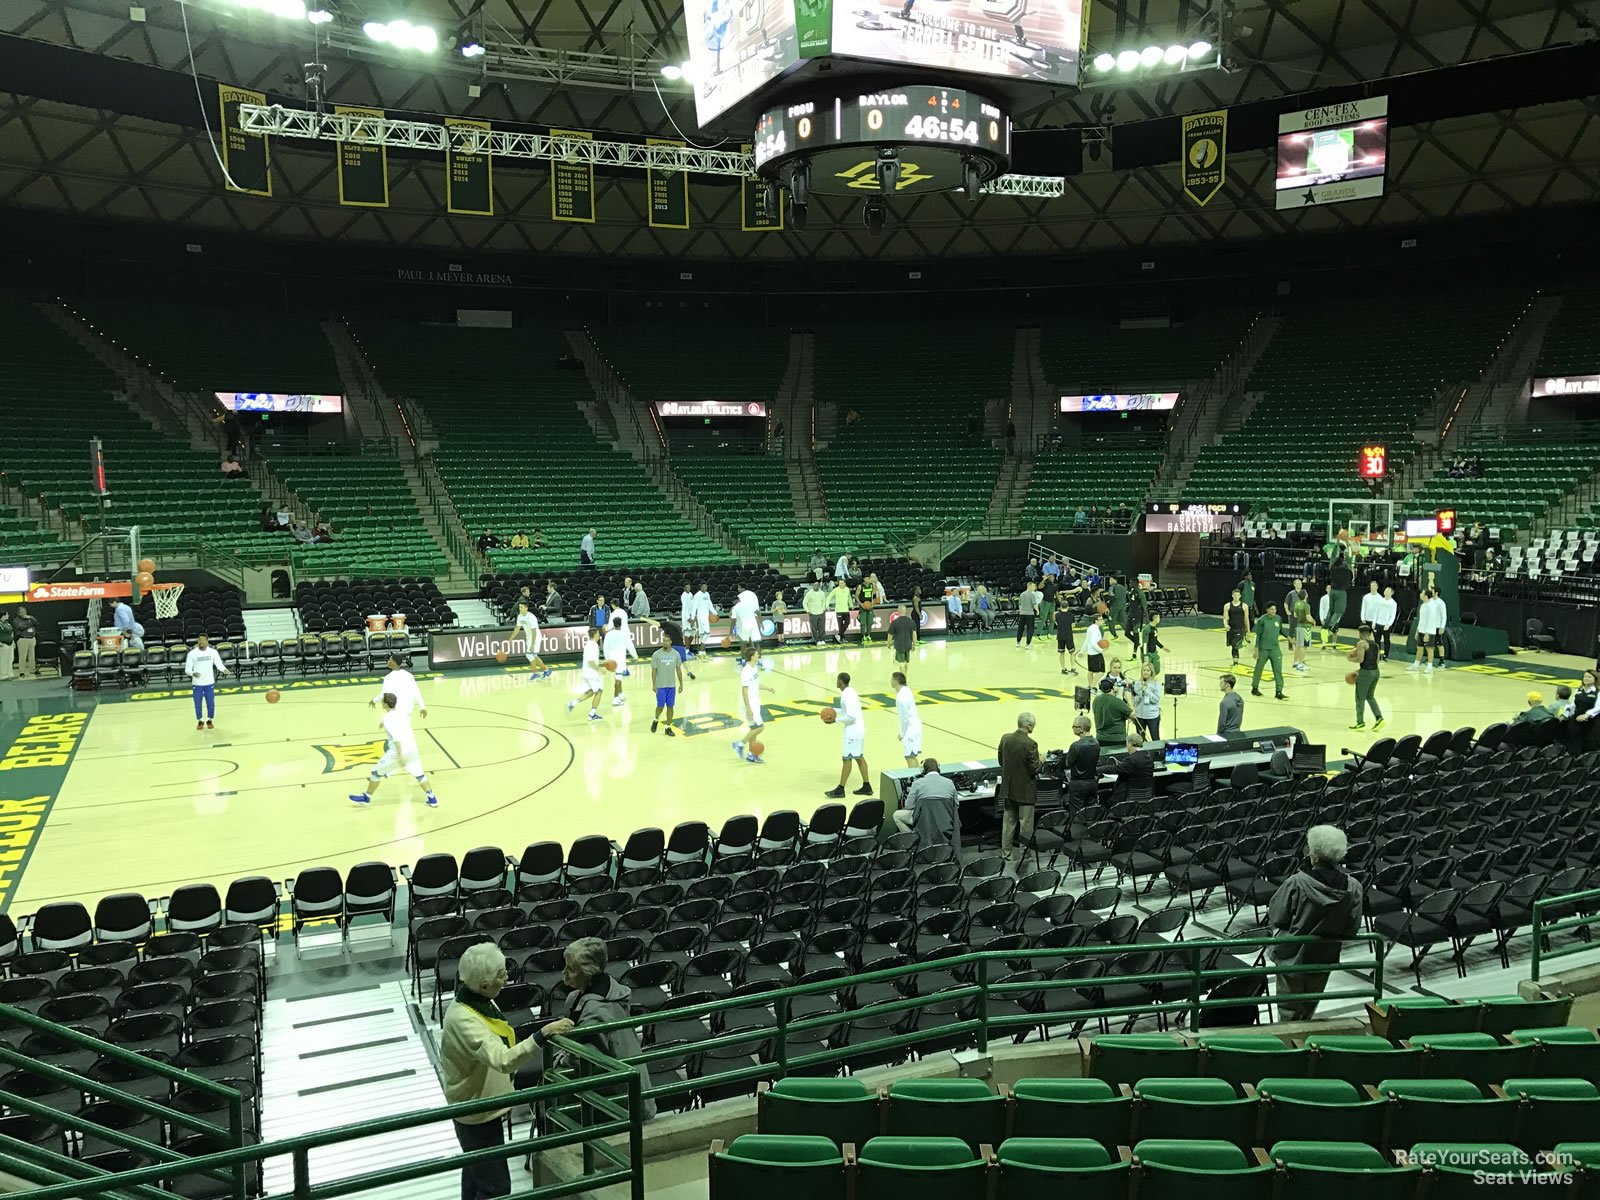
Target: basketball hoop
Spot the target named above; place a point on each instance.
(166, 597)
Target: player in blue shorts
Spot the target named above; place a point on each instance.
(666, 669)
(672, 634)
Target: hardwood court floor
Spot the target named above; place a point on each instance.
(148, 803)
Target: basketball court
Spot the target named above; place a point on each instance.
(118, 791)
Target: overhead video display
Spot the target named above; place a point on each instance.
(279, 402)
(1332, 154)
(1018, 39)
(1125, 402)
(735, 46)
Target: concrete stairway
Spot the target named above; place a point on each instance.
(370, 411)
(616, 405)
(1501, 396)
(463, 576)
(1003, 517)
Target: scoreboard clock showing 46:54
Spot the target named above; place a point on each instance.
(885, 142)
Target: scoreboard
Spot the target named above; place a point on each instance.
(921, 114)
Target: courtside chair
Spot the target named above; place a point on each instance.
(776, 1167)
(866, 821)
(589, 856)
(1343, 1171)
(370, 890)
(843, 1110)
(688, 843)
(1554, 1110)
(1051, 1168)
(435, 875)
(643, 851)
(1302, 1110)
(64, 925)
(192, 908)
(483, 869)
(929, 1168)
(955, 1108)
(539, 867)
(1184, 1169)
(123, 917)
(316, 894)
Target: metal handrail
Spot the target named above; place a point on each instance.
(1542, 928)
(610, 1073)
(982, 1024)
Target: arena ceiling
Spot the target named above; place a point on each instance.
(108, 148)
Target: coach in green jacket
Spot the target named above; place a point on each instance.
(1268, 630)
(1119, 605)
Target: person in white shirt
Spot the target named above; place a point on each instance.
(841, 569)
(528, 630)
(402, 685)
(586, 550)
(750, 690)
(686, 613)
(745, 614)
(1369, 605)
(201, 666)
(399, 750)
(615, 648)
(952, 610)
(590, 676)
(1096, 660)
(704, 610)
(1385, 609)
(855, 739)
(1431, 617)
(905, 707)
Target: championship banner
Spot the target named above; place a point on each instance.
(246, 157)
(1205, 154)
(469, 177)
(571, 184)
(667, 193)
(363, 169)
(755, 216)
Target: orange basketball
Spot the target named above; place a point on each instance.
(500, 656)
(274, 696)
(1102, 608)
(609, 665)
(728, 640)
(147, 566)
(1105, 643)
(757, 746)
(144, 579)
(1350, 678)
(829, 715)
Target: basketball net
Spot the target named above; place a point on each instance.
(166, 597)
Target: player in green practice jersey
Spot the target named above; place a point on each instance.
(1268, 631)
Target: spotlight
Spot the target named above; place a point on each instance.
(873, 214)
(797, 214)
(319, 16)
(799, 183)
(1199, 49)
(1128, 60)
(1104, 61)
(887, 169)
(473, 49)
(672, 71)
(377, 31)
(402, 35)
(1174, 55)
(1150, 56)
(971, 179)
(295, 10)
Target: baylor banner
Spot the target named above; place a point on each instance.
(755, 216)
(246, 158)
(571, 184)
(667, 193)
(1205, 154)
(468, 178)
(363, 169)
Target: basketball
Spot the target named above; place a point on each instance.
(1350, 678)
(273, 696)
(757, 746)
(1105, 643)
(728, 640)
(829, 715)
(500, 656)
(147, 566)
(610, 666)
(144, 579)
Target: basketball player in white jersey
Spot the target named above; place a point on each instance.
(402, 685)
(590, 676)
(528, 627)
(399, 751)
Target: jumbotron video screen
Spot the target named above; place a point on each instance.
(736, 46)
(1036, 40)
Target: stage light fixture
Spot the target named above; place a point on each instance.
(402, 35)
(971, 179)
(672, 71)
(1128, 60)
(1104, 61)
(799, 183)
(1150, 56)
(887, 169)
(873, 215)
(1175, 55)
(1199, 48)
(797, 214)
(473, 49)
(319, 16)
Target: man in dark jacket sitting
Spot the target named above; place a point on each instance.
(1135, 770)
(1320, 901)
(931, 809)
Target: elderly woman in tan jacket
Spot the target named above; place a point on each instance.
(480, 1053)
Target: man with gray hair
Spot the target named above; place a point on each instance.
(597, 999)
(479, 1054)
(1018, 789)
(1320, 901)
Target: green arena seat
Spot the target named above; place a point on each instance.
(1480, 1057)
(1569, 341)
(1066, 480)
(1192, 1107)
(842, 1110)
(1426, 1110)
(669, 362)
(929, 1168)
(1360, 1058)
(960, 1108)
(1466, 1170)
(1090, 354)
(777, 1168)
(1342, 1170)
(1242, 1058)
(1582, 1160)
(1304, 1110)
(1129, 1057)
(1565, 1050)
(1555, 1110)
(1400, 1018)
(1186, 1169)
(1499, 1015)
(1088, 1108)
(1049, 1168)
